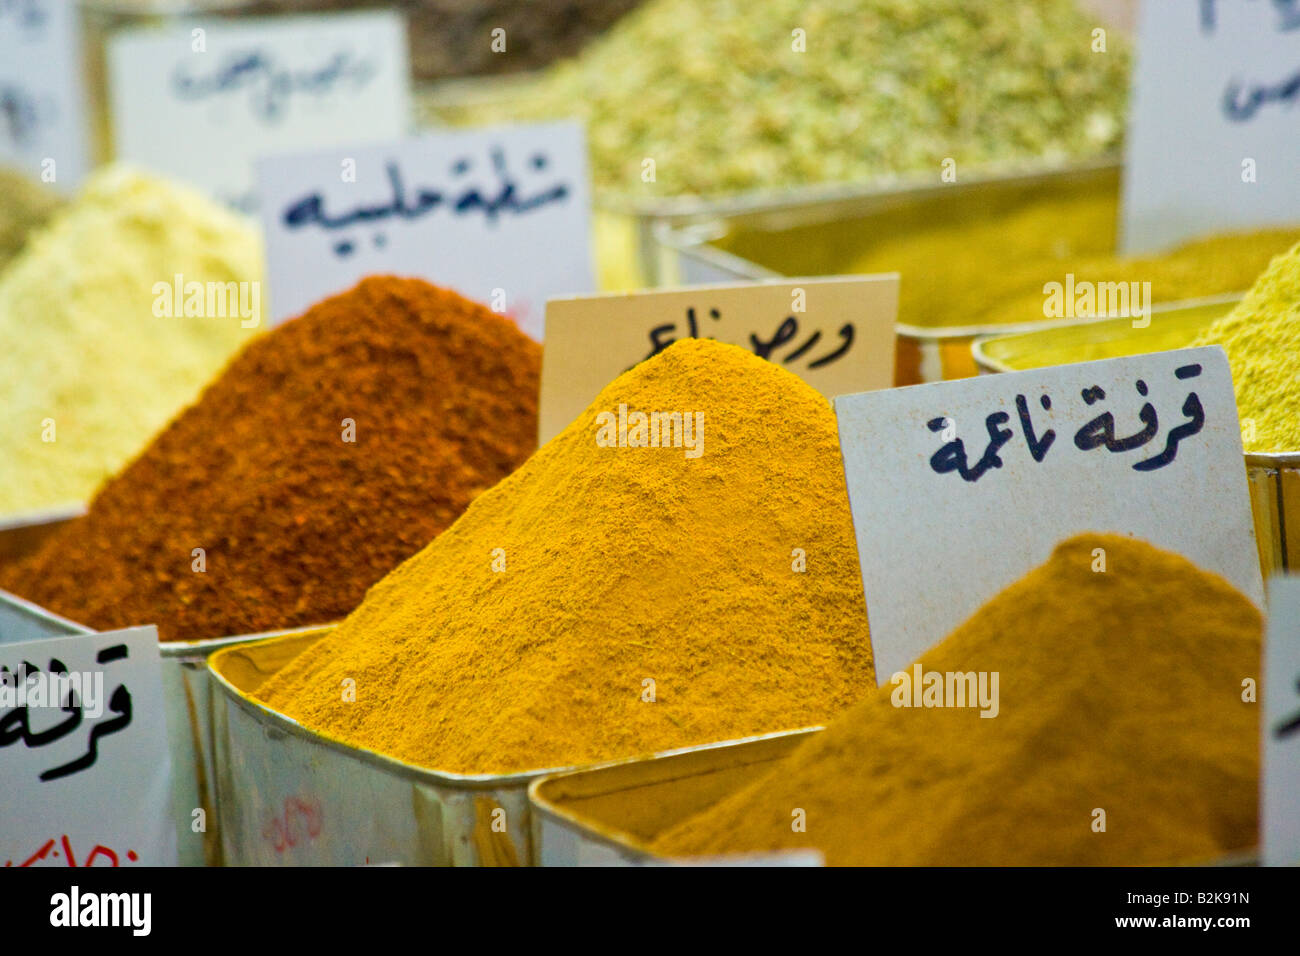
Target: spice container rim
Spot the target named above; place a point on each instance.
(44, 614)
(38, 516)
(477, 781)
(208, 645)
(544, 807)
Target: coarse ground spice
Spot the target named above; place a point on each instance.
(725, 97)
(24, 205)
(605, 602)
(1262, 339)
(1118, 690)
(296, 521)
(89, 371)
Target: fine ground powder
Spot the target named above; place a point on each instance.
(1262, 339)
(88, 371)
(606, 602)
(24, 205)
(295, 521)
(1119, 690)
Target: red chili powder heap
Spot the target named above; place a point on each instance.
(295, 521)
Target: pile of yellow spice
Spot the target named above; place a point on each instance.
(607, 601)
(1262, 338)
(1121, 735)
(94, 359)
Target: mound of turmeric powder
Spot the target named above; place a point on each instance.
(1119, 705)
(607, 600)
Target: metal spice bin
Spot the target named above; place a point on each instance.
(608, 815)
(1273, 479)
(683, 239)
(187, 695)
(290, 796)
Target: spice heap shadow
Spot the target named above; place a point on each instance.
(606, 601)
(1119, 691)
(25, 205)
(329, 450)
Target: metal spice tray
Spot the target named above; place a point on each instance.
(1273, 478)
(291, 796)
(684, 250)
(608, 815)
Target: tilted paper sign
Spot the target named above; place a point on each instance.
(502, 215)
(1213, 139)
(83, 752)
(43, 127)
(837, 334)
(1280, 789)
(958, 489)
(202, 101)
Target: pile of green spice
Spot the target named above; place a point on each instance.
(734, 95)
(329, 450)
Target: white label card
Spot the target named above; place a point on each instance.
(501, 215)
(1280, 789)
(958, 489)
(83, 752)
(1213, 140)
(837, 334)
(43, 128)
(203, 101)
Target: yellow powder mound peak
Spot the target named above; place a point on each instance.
(1118, 691)
(608, 601)
(1262, 339)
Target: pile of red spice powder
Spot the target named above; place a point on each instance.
(294, 521)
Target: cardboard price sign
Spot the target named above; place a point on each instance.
(83, 752)
(202, 101)
(1213, 138)
(502, 215)
(43, 120)
(958, 489)
(837, 334)
(1280, 789)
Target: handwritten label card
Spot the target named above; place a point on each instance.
(203, 101)
(958, 489)
(42, 103)
(83, 752)
(835, 333)
(1280, 791)
(1213, 140)
(501, 215)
